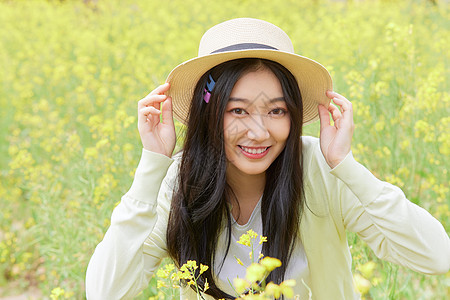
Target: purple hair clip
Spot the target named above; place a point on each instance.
(209, 87)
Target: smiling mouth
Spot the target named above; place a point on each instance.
(254, 150)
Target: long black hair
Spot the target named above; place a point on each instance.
(199, 210)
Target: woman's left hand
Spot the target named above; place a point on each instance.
(336, 140)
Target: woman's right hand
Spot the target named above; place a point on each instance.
(156, 135)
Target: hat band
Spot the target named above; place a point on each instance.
(243, 46)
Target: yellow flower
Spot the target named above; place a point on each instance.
(161, 273)
(379, 126)
(273, 290)
(247, 238)
(203, 268)
(206, 285)
(240, 285)
(270, 263)
(255, 272)
(191, 264)
(56, 293)
(184, 275)
(361, 284)
(286, 288)
(367, 269)
(262, 239)
(160, 284)
(90, 152)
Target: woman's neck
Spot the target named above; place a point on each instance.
(248, 189)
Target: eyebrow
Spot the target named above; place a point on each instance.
(273, 100)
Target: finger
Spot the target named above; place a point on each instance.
(343, 103)
(167, 113)
(153, 100)
(149, 110)
(343, 117)
(148, 114)
(333, 94)
(161, 89)
(335, 112)
(324, 116)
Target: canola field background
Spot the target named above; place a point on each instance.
(73, 71)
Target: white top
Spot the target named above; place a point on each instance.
(298, 268)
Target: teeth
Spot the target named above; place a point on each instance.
(253, 150)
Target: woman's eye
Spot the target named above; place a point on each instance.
(238, 111)
(278, 111)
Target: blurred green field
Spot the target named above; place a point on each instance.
(72, 74)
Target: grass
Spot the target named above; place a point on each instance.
(73, 73)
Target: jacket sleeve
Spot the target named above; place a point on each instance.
(396, 229)
(124, 261)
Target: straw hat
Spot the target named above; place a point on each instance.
(246, 38)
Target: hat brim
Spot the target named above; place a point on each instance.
(313, 79)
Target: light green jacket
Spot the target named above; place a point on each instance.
(347, 197)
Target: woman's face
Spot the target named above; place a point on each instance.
(256, 123)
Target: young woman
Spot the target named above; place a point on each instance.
(246, 166)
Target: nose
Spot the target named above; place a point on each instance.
(257, 129)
